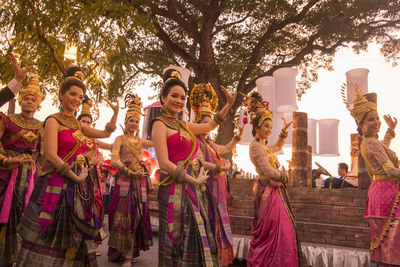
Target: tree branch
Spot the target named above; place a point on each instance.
(42, 37)
(255, 55)
(222, 27)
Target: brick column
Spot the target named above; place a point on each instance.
(299, 149)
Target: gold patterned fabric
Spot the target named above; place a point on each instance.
(264, 160)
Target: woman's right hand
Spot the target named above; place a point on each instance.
(202, 177)
(18, 160)
(83, 174)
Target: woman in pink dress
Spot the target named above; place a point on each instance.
(382, 165)
(204, 102)
(274, 240)
(59, 226)
(185, 237)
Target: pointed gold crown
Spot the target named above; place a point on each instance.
(203, 100)
(90, 107)
(361, 105)
(33, 88)
(134, 105)
(257, 107)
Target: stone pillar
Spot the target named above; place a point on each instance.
(363, 177)
(299, 149)
(309, 166)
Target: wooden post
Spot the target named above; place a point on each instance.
(363, 177)
(309, 166)
(299, 149)
(11, 107)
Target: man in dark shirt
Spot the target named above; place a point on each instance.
(338, 182)
(12, 88)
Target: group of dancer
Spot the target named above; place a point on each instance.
(51, 193)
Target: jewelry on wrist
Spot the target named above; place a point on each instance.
(218, 118)
(110, 128)
(283, 134)
(391, 132)
(179, 174)
(217, 168)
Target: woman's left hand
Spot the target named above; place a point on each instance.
(286, 125)
(230, 98)
(391, 122)
(240, 132)
(115, 108)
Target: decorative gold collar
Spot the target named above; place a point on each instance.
(32, 124)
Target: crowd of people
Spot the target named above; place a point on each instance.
(55, 190)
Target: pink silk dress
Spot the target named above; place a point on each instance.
(274, 238)
(382, 208)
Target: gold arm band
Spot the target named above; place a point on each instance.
(387, 165)
(237, 138)
(283, 134)
(218, 118)
(179, 174)
(110, 128)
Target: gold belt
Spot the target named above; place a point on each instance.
(378, 177)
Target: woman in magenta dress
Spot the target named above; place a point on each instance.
(274, 240)
(382, 209)
(129, 214)
(204, 102)
(185, 237)
(59, 226)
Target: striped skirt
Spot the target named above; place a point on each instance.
(196, 245)
(62, 244)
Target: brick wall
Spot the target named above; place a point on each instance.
(326, 216)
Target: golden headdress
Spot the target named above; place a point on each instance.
(33, 88)
(77, 75)
(361, 105)
(258, 108)
(203, 100)
(89, 107)
(134, 105)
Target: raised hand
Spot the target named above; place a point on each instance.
(115, 107)
(240, 132)
(19, 73)
(286, 125)
(392, 123)
(230, 98)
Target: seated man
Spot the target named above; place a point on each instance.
(339, 182)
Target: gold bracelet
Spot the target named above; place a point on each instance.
(179, 174)
(237, 138)
(218, 118)
(61, 169)
(217, 168)
(283, 134)
(110, 128)
(3, 159)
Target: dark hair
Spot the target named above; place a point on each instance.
(69, 82)
(85, 115)
(170, 83)
(315, 173)
(72, 70)
(344, 166)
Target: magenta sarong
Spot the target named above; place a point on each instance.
(274, 239)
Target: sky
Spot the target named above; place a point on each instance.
(322, 101)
